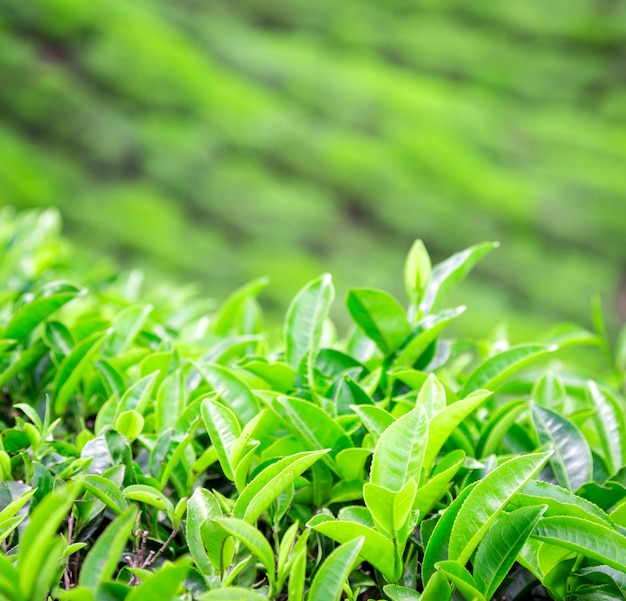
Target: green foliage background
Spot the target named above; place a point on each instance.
(218, 141)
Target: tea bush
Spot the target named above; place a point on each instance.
(154, 446)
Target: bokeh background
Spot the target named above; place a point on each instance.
(217, 141)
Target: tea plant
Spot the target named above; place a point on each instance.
(155, 448)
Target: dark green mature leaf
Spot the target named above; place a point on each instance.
(571, 460)
(598, 542)
(304, 322)
(498, 550)
(380, 316)
(488, 499)
(105, 555)
(492, 372)
(399, 454)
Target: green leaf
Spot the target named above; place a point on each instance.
(444, 423)
(72, 368)
(571, 460)
(498, 425)
(51, 298)
(376, 548)
(330, 578)
(138, 396)
(559, 501)
(374, 418)
(38, 539)
(304, 322)
(401, 593)
(224, 430)
(231, 390)
(9, 525)
(439, 541)
(313, 426)
(228, 318)
(399, 454)
(488, 499)
(493, 371)
(129, 424)
(389, 509)
(126, 326)
(593, 540)
(610, 423)
(498, 550)
(461, 579)
(447, 274)
(255, 542)
(432, 395)
(417, 270)
(261, 492)
(436, 486)
(9, 580)
(380, 316)
(105, 490)
(437, 589)
(164, 584)
(232, 593)
(103, 558)
(150, 496)
(550, 393)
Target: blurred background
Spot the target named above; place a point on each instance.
(219, 141)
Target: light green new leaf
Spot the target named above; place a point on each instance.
(232, 593)
(593, 540)
(447, 274)
(39, 536)
(9, 580)
(261, 492)
(330, 578)
(399, 454)
(297, 577)
(255, 542)
(432, 395)
(447, 421)
(436, 486)
(9, 525)
(150, 496)
(138, 396)
(51, 298)
(14, 506)
(494, 370)
(380, 316)
(396, 592)
(72, 368)
(571, 461)
(424, 334)
(104, 489)
(550, 393)
(378, 549)
(129, 424)
(163, 584)
(437, 589)
(498, 550)
(312, 425)
(202, 505)
(103, 558)
(610, 422)
(462, 580)
(488, 499)
(389, 509)
(417, 270)
(231, 389)
(498, 425)
(374, 418)
(224, 430)
(304, 323)
(228, 317)
(125, 328)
